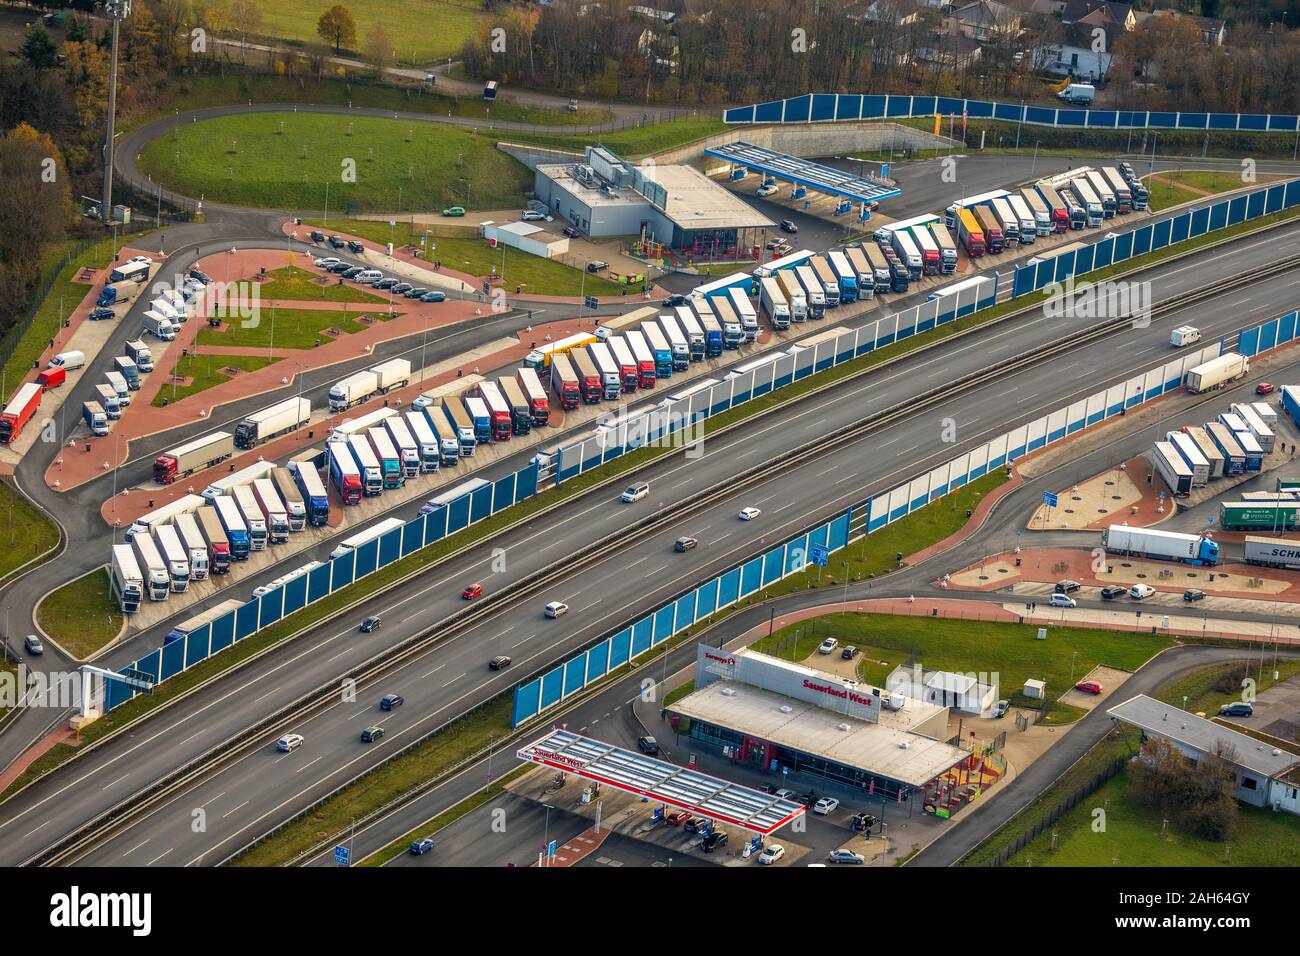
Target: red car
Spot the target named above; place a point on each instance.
(677, 818)
(472, 592)
(1088, 686)
(1264, 388)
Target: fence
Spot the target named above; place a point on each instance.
(844, 107)
(675, 414)
(733, 585)
(1076, 797)
(9, 344)
(338, 573)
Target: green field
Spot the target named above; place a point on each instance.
(395, 165)
(25, 533)
(475, 257)
(1206, 689)
(1133, 837)
(633, 142)
(235, 89)
(1011, 651)
(80, 616)
(292, 284)
(289, 328)
(205, 370)
(421, 32)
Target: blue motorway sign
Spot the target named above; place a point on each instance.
(341, 855)
(1049, 499)
(821, 555)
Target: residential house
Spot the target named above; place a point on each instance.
(899, 12)
(1111, 15)
(948, 50)
(985, 21)
(1084, 53)
(1212, 31)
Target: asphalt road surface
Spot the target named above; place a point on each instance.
(452, 677)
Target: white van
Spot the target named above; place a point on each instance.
(1139, 592)
(1184, 335)
(636, 492)
(68, 360)
(368, 277)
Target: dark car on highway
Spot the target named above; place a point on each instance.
(787, 225)
(1193, 594)
(674, 300)
(1113, 591)
(371, 734)
(370, 624)
(316, 236)
(336, 242)
(353, 272)
(341, 267)
(499, 662)
(354, 246)
(391, 701)
(421, 847)
(647, 745)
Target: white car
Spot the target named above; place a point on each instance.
(825, 805)
(749, 514)
(845, 856)
(532, 215)
(326, 262)
(828, 645)
(142, 259)
(636, 492)
(765, 190)
(289, 742)
(1139, 592)
(1062, 600)
(771, 853)
(556, 608)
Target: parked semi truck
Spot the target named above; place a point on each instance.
(390, 461)
(353, 390)
(480, 415)
(1275, 516)
(812, 290)
(564, 381)
(254, 518)
(970, 233)
(157, 581)
(245, 476)
(829, 280)
(277, 514)
(521, 415)
(280, 419)
(1272, 552)
(623, 358)
(788, 281)
(183, 460)
(1162, 545)
(691, 328)
(126, 579)
(538, 403)
(19, 411)
(677, 342)
(395, 373)
(214, 535)
(118, 293)
(1217, 372)
(611, 378)
(408, 450)
(186, 504)
(233, 523)
(187, 526)
(746, 314)
(372, 478)
(445, 433)
(772, 298)
(291, 497)
(175, 555)
(947, 248)
(314, 496)
(463, 425)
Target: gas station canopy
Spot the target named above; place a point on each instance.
(634, 772)
(805, 172)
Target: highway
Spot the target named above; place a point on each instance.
(609, 715)
(451, 678)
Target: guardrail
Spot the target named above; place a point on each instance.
(848, 107)
(556, 684)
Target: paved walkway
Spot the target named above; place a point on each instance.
(580, 847)
(37, 750)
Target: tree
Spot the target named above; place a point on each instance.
(86, 68)
(379, 49)
(35, 195)
(337, 27)
(39, 49)
(247, 17)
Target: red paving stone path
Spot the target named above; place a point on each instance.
(580, 847)
(978, 516)
(141, 418)
(1049, 565)
(1148, 509)
(35, 752)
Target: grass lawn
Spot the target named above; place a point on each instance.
(244, 159)
(474, 256)
(81, 616)
(205, 370)
(1208, 688)
(64, 294)
(631, 143)
(202, 92)
(1133, 837)
(1010, 651)
(25, 534)
(421, 32)
(299, 285)
(291, 328)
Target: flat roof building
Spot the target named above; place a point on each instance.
(1264, 775)
(677, 206)
(778, 714)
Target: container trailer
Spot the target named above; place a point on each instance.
(970, 233)
(449, 451)
(463, 425)
(184, 460)
(772, 298)
(125, 579)
(1272, 552)
(314, 496)
(254, 519)
(659, 346)
(1275, 516)
(931, 259)
(645, 360)
(395, 373)
(372, 475)
(498, 411)
(174, 555)
(157, 580)
(691, 328)
(277, 514)
(220, 552)
(1161, 545)
(353, 390)
(531, 383)
(1216, 373)
(812, 290)
(291, 497)
(187, 526)
(1169, 465)
(947, 248)
(792, 289)
(848, 279)
(408, 450)
(521, 416)
(830, 281)
(19, 411)
(279, 419)
(245, 476)
(1234, 459)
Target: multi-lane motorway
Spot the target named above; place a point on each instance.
(262, 786)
